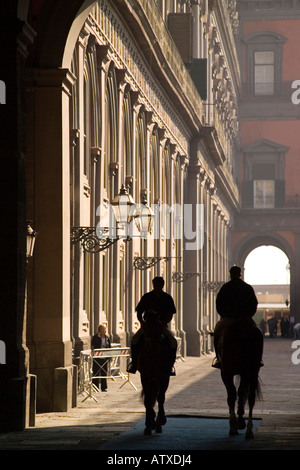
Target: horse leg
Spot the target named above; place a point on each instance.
(149, 422)
(231, 399)
(251, 401)
(149, 405)
(241, 403)
(161, 417)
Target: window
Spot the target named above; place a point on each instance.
(264, 51)
(264, 73)
(264, 184)
(264, 194)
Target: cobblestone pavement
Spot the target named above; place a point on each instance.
(197, 390)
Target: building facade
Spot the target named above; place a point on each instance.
(269, 122)
(108, 99)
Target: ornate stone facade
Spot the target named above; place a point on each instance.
(110, 101)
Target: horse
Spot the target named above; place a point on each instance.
(154, 364)
(240, 349)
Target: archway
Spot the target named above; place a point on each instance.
(267, 269)
(242, 246)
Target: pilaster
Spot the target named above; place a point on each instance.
(52, 345)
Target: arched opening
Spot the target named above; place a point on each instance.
(267, 269)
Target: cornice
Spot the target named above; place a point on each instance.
(268, 9)
(255, 220)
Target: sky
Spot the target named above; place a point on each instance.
(266, 265)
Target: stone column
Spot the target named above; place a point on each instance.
(52, 347)
(191, 304)
(14, 375)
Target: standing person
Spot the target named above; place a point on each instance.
(155, 302)
(235, 299)
(263, 326)
(272, 324)
(100, 341)
(285, 327)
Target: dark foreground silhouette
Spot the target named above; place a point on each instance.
(154, 364)
(240, 349)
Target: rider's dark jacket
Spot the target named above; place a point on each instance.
(236, 298)
(163, 304)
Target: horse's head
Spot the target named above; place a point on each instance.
(152, 325)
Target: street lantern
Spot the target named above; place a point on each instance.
(122, 205)
(96, 239)
(31, 236)
(144, 218)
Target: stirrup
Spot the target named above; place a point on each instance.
(216, 363)
(131, 368)
(173, 372)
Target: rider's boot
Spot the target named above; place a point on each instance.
(173, 359)
(216, 363)
(132, 366)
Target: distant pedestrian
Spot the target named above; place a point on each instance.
(272, 324)
(297, 331)
(262, 326)
(100, 341)
(285, 327)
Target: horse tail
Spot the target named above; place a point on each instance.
(251, 385)
(258, 391)
(152, 394)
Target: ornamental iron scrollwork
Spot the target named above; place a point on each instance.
(147, 262)
(213, 286)
(181, 277)
(92, 240)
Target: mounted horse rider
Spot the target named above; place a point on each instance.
(156, 302)
(235, 299)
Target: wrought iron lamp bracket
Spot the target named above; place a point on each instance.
(93, 241)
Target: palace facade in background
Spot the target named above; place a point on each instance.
(269, 113)
(143, 97)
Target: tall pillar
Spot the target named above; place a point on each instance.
(191, 304)
(15, 36)
(52, 346)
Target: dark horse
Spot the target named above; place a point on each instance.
(154, 365)
(240, 349)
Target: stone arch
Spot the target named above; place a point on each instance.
(255, 240)
(66, 19)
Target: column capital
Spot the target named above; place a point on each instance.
(53, 78)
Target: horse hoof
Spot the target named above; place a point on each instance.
(241, 423)
(249, 435)
(233, 427)
(158, 429)
(162, 419)
(147, 431)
